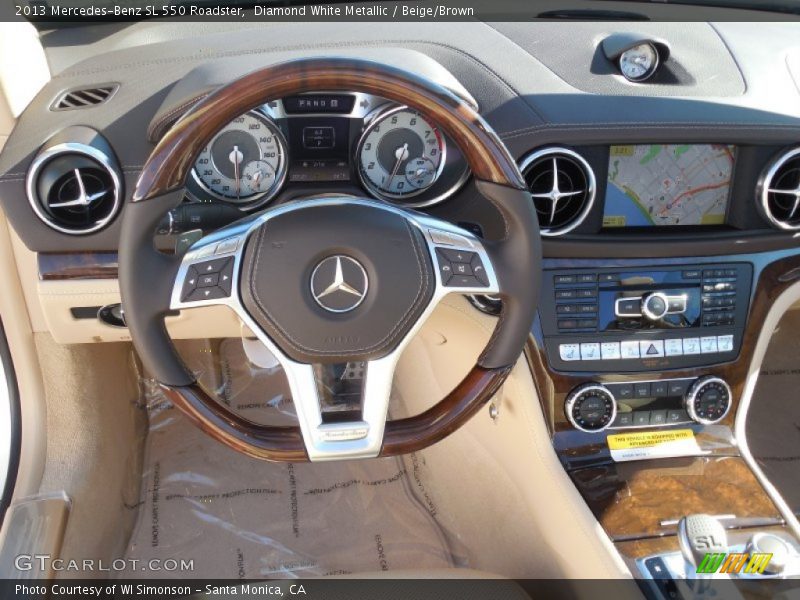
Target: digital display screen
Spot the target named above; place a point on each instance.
(668, 184)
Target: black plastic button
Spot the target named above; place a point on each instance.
(630, 306)
(587, 308)
(693, 274)
(226, 278)
(641, 390)
(641, 417)
(586, 293)
(462, 269)
(659, 389)
(677, 388)
(478, 269)
(587, 323)
(587, 278)
(677, 416)
(608, 277)
(189, 284)
(624, 391)
(565, 294)
(456, 256)
(564, 279)
(658, 417)
(566, 309)
(208, 280)
(212, 266)
(623, 419)
(209, 293)
(567, 324)
(464, 281)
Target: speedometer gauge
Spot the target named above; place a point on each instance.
(245, 162)
(401, 154)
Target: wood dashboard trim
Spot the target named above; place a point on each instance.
(77, 265)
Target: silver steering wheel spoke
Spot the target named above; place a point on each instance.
(209, 275)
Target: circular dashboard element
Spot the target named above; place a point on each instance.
(639, 63)
(245, 162)
(708, 400)
(400, 155)
(655, 306)
(591, 407)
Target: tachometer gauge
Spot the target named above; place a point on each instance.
(244, 163)
(400, 154)
(639, 63)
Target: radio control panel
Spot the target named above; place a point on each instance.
(634, 319)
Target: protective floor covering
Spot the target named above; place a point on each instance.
(773, 422)
(238, 517)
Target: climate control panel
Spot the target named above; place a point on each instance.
(593, 407)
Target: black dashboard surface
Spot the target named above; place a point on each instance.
(733, 84)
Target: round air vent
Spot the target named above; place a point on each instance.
(74, 188)
(779, 192)
(562, 187)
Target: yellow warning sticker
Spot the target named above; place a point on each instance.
(652, 444)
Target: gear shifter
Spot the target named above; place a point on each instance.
(697, 536)
(700, 534)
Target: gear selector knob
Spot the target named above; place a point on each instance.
(700, 534)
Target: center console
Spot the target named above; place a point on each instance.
(643, 350)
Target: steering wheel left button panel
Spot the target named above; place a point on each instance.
(208, 280)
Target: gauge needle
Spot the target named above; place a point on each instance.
(257, 179)
(400, 154)
(236, 157)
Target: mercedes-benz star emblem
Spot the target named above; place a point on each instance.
(339, 283)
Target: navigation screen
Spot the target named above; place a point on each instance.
(664, 184)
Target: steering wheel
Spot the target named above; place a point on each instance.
(333, 285)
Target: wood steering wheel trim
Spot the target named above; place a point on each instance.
(285, 444)
(171, 161)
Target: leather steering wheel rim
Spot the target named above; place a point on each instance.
(147, 276)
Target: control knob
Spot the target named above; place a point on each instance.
(708, 400)
(779, 550)
(591, 407)
(655, 306)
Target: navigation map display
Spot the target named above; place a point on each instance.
(663, 184)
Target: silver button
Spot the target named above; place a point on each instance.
(725, 343)
(708, 345)
(630, 349)
(691, 346)
(228, 245)
(570, 351)
(673, 347)
(652, 348)
(610, 350)
(590, 351)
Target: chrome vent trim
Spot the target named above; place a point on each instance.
(85, 196)
(779, 192)
(84, 97)
(562, 191)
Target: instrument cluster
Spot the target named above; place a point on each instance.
(330, 142)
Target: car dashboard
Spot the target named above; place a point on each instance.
(669, 209)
